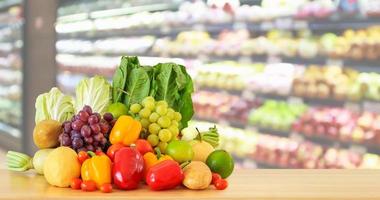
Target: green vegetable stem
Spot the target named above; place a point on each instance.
(17, 161)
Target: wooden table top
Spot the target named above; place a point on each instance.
(243, 184)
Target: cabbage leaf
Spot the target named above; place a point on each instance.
(94, 92)
(54, 105)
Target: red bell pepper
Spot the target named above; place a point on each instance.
(164, 175)
(128, 168)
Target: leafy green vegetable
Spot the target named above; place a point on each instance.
(185, 104)
(167, 88)
(164, 81)
(54, 105)
(120, 77)
(137, 87)
(94, 92)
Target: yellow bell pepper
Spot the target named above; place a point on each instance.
(98, 169)
(150, 159)
(125, 131)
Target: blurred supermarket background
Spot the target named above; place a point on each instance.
(289, 83)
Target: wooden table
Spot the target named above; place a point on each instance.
(244, 184)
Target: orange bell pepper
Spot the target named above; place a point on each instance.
(125, 131)
(97, 169)
(150, 159)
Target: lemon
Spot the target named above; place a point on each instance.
(61, 166)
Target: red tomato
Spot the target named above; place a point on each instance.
(99, 152)
(112, 150)
(143, 146)
(82, 156)
(221, 184)
(106, 188)
(215, 177)
(76, 183)
(88, 186)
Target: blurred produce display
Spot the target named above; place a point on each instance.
(327, 82)
(214, 106)
(10, 67)
(275, 79)
(340, 124)
(226, 75)
(360, 44)
(297, 79)
(276, 115)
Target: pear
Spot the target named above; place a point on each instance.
(202, 150)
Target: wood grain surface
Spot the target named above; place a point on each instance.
(243, 184)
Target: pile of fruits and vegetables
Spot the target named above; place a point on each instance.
(131, 132)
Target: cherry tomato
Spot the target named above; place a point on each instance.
(215, 177)
(143, 146)
(106, 188)
(76, 183)
(221, 184)
(82, 156)
(112, 150)
(88, 186)
(99, 152)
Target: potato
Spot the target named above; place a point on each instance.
(46, 132)
(198, 176)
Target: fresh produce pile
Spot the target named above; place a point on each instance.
(135, 130)
(222, 106)
(341, 124)
(276, 115)
(361, 44)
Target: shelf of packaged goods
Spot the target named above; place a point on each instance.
(360, 65)
(4, 5)
(283, 23)
(108, 54)
(115, 12)
(306, 100)
(8, 129)
(247, 126)
(330, 141)
(6, 84)
(88, 71)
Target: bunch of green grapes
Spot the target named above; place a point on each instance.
(158, 120)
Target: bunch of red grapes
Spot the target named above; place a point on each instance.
(87, 131)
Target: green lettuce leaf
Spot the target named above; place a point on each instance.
(94, 92)
(119, 80)
(138, 86)
(167, 88)
(54, 105)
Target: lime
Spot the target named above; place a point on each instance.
(117, 109)
(180, 150)
(221, 162)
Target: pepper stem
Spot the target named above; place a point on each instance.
(184, 164)
(158, 152)
(91, 153)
